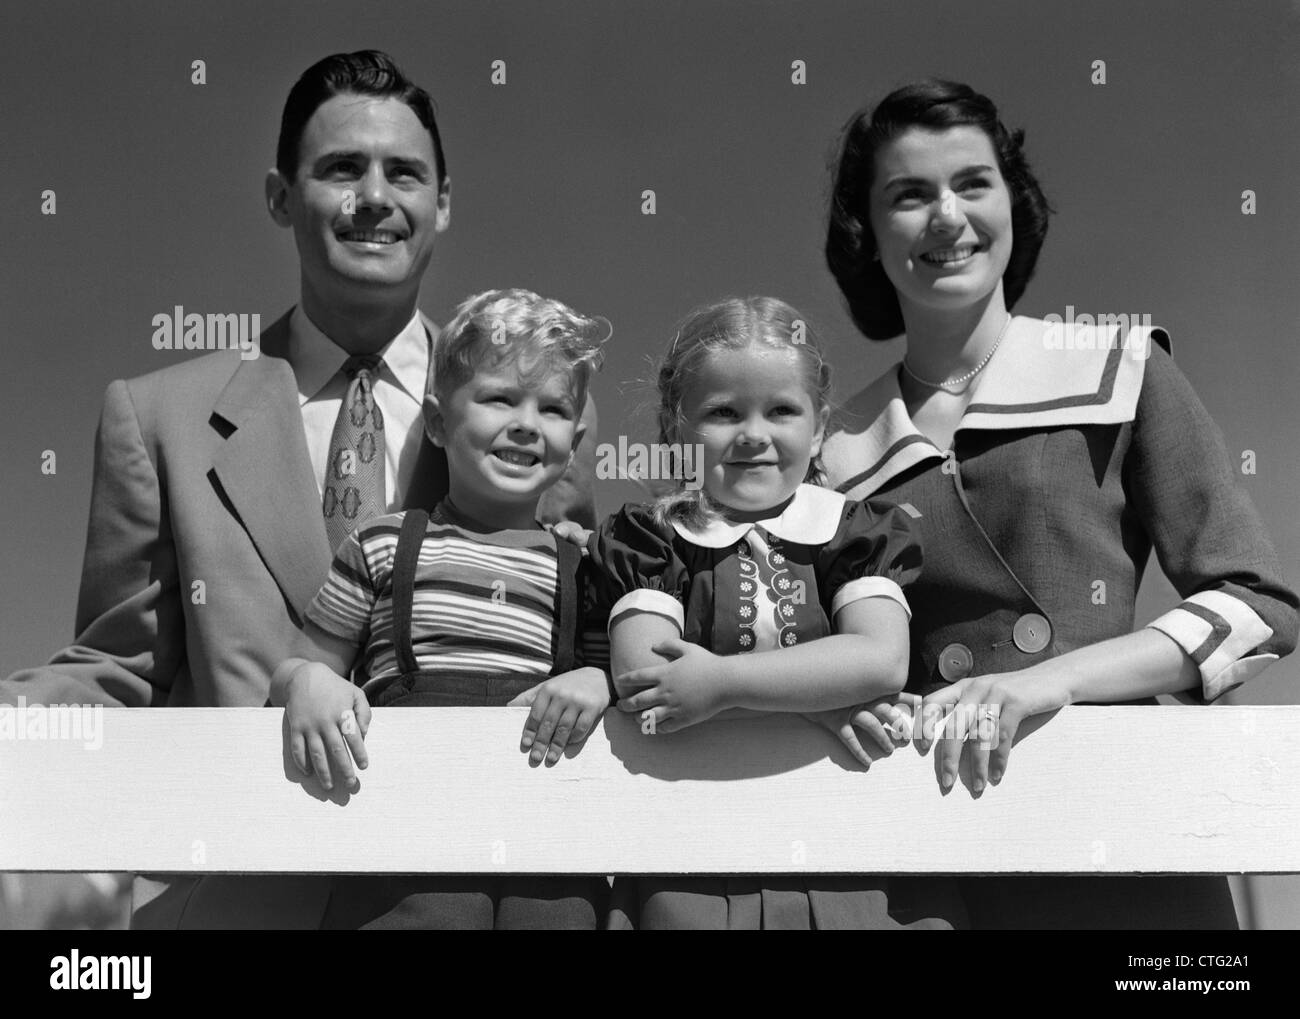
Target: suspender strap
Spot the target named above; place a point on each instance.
(564, 633)
(405, 560)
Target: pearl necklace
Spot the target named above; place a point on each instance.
(960, 379)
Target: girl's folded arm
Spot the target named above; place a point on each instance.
(632, 634)
(867, 658)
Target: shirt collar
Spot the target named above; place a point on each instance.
(1044, 375)
(811, 517)
(315, 358)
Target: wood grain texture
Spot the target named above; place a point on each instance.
(1099, 789)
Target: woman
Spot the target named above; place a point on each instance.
(1042, 464)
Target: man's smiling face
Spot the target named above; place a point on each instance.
(365, 204)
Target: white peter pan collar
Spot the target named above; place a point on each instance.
(1044, 375)
(810, 518)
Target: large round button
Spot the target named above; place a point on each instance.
(1032, 633)
(955, 662)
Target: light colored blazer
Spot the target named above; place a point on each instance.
(206, 538)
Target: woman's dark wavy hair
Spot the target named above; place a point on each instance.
(933, 105)
(365, 72)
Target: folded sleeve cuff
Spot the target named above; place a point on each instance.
(1218, 632)
(648, 600)
(869, 587)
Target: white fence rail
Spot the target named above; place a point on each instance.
(1098, 790)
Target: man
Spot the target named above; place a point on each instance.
(223, 484)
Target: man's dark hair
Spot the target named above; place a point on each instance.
(934, 106)
(366, 72)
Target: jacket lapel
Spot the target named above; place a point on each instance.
(429, 481)
(1044, 376)
(265, 470)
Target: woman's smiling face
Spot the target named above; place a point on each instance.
(941, 216)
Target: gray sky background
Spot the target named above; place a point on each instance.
(159, 196)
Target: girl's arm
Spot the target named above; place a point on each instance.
(842, 669)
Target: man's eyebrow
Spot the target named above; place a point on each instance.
(357, 156)
(965, 171)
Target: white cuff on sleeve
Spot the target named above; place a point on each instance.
(869, 587)
(647, 600)
(1218, 631)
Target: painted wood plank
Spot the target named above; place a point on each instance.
(1099, 789)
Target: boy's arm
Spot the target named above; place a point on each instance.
(335, 653)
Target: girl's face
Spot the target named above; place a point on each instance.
(941, 215)
(759, 428)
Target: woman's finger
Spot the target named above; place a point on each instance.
(525, 699)
(949, 735)
(980, 739)
(1008, 726)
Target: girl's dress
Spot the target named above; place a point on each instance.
(737, 588)
(441, 575)
(1079, 453)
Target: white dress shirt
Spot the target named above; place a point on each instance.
(398, 387)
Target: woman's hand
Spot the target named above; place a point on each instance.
(325, 722)
(681, 692)
(986, 713)
(565, 710)
(887, 720)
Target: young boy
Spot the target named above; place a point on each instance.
(473, 603)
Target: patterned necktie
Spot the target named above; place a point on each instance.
(354, 475)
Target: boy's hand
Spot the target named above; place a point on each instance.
(325, 723)
(565, 710)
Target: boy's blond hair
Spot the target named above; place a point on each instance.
(498, 326)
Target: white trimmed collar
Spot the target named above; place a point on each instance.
(1044, 375)
(316, 358)
(811, 517)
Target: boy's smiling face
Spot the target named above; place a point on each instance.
(510, 432)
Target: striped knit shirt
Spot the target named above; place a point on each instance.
(484, 601)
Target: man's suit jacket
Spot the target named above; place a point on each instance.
(206, 539)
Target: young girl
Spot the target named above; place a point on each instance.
(750, 590)
(471, 604)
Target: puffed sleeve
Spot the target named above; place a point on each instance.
(875, 553)
(634, 567)
(1237, 616)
